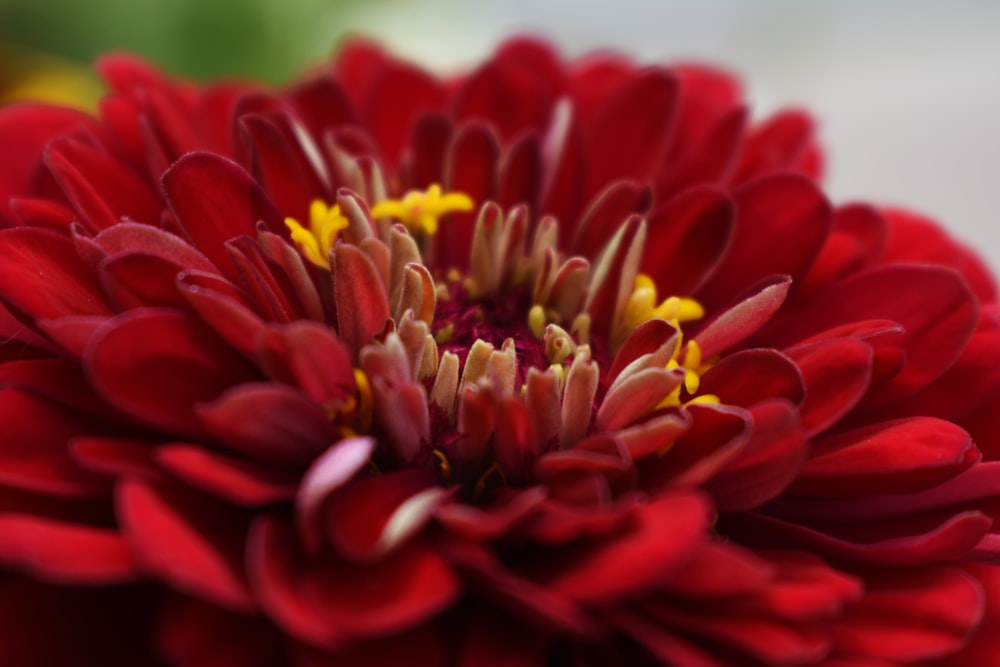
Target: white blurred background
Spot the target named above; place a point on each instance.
(907, 92)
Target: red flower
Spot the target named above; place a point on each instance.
(378, 369)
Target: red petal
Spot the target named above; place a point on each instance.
(362, 304)
(156, 365)
(192, 544)
(916, 238)
(769, 462)
(195, 634)
(24, 131)
(230, 207)
(836, 374)
(688, 237)
(912, 616)
(330, 471)
(33, 447)
(399, 94)
(889, 457)
(374, 516)
(42, 276)
(267, 421)
(778, 144)
(65, 553)
(665, 533)
(471, 167)
(101, 189)
(629, 132)
(233, 480)
(607, 212)
(933, 304)
(749, 377)
(785, 212)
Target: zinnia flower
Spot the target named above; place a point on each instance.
(545, 364)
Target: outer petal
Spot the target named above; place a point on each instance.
(156, 365)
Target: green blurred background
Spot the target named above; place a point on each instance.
(47, 46)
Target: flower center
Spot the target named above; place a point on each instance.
(476, 377)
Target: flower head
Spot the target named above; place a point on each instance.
(550, 363)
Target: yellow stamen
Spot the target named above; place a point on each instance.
(421, 211)
(443, 465)
(536, 321)
(366, 404)
(642, 305)
(325, 222)
(481, 484)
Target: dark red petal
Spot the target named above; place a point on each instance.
(716, 436)
(984, 644)
(629, 132)
(749, 377)
(910, 616)
(779, 144)
(192, 544)
(836, 374)
(156, 365)
(519, 178)
(192, 633)
(406, 589)
(470, 167)
(362, 304)
(424, 164)
(42, 276)
(135, 279)
(399, 94)
(24, 132)
(234, 480)
(374, 516)
(916, 238)
(688, 236)
(606, 213)
(268, 421)
(900, 544)
(647, 338)
(215, 200)
(857, 241)
(769, 462)
(664, 534)
(101, 189)
(329, 472)
(65, 553)
(134, 237)
(494, 519)
(280, 165)
(889, 457)
(33, 447)
(785, 212)
(44, 625)
(933, 304)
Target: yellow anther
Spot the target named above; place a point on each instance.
(704, 399)
(536, 321)
(366, 404)
(642, 305)
(443, 465)
(325, 222)
(444, 334)
(420, 211)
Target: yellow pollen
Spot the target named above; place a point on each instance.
(421, 211)
(325, 222)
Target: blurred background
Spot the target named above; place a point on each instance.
(907, 92)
